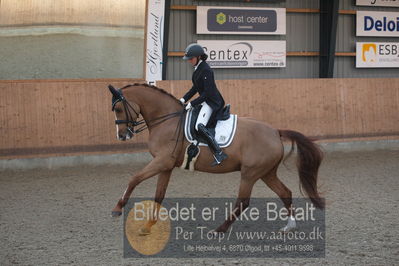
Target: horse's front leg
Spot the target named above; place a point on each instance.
(162, 185)
(156, 166)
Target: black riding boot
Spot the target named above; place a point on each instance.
(218, 154)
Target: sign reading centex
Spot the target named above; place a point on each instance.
(377, 54)
(377, 3)
(377, 23)
(238, 20)
(245, 54)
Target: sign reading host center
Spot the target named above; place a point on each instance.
(230, 20)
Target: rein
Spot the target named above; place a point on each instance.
(164, 118)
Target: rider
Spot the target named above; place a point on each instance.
(210, 98)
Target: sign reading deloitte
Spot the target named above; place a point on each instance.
(245, 54)
(377, 23)
(237, 20)
(377, 54)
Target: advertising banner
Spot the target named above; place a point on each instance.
(377, 23)
(245, 54)
(377, 54)
(155, 30)
(241, 20)
(185, 228)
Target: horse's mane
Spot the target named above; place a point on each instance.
(153, 87)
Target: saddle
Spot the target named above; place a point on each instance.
(223, 132)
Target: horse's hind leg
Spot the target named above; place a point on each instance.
(274, 183)
(242, 203)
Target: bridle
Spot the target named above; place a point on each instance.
(130, 121)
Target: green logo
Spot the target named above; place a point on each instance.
(221, 18)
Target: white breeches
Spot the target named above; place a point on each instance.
(204, 115)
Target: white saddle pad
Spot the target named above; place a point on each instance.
(224, 131)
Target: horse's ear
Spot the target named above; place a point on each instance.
(113, 91)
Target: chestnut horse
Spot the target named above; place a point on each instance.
(256, 151)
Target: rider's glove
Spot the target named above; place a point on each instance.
(188, 106)
(182, 100)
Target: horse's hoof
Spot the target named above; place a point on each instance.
(144, 232)
(291, 226)
(287, 229)
(116, 213)
(217, 234)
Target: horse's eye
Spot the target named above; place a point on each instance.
(118, 111)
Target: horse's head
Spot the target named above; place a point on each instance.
(125, 114)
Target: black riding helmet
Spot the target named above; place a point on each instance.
(193, 50)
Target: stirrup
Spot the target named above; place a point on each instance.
(217, 161)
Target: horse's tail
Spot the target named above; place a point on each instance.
(308, 162)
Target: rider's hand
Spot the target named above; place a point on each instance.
(182, 100)
(188, 106)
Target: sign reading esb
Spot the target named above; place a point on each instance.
(377, 23)
(245, 54)
(232, 20)
(377, 3)
(377, 54)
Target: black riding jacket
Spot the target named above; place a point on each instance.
(204, 83)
